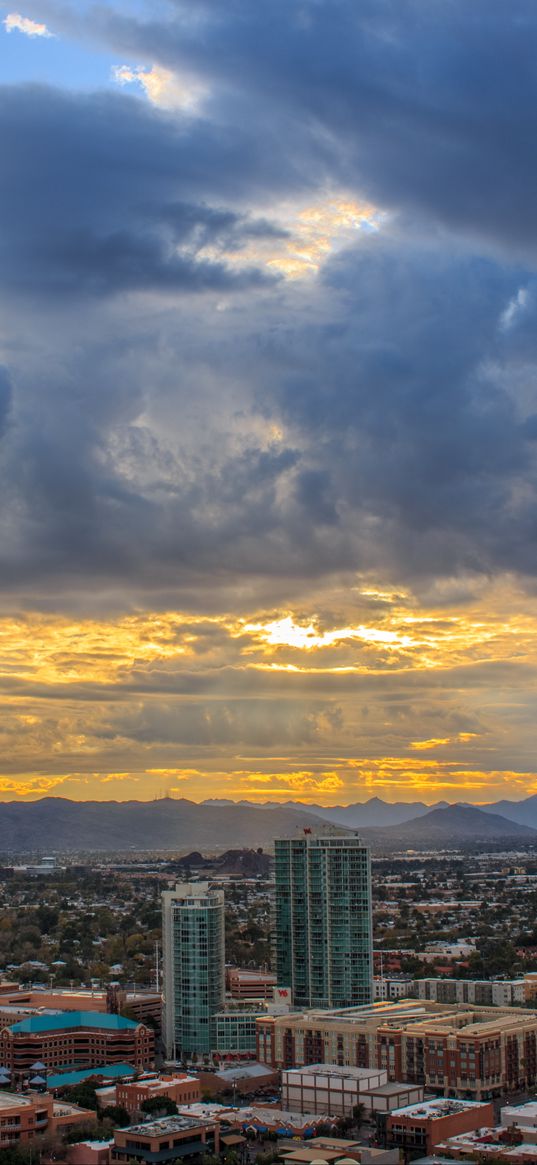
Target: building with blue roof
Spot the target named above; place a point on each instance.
(105, 1073)
(84, 1040)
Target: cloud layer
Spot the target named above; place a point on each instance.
(269, 341)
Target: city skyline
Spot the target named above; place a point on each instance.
(267, 401)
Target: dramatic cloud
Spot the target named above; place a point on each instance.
(269, 320)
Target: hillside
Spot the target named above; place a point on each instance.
(523, 812)
(453, 825)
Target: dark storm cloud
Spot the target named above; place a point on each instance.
(430, 108)
(5, 398)
(381, 419)
(93, 189)
(414, 412)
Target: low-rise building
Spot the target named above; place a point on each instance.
(23, 1116)
(246, 985)
(425, 1125)
(182, 1089)
(489, 1143)
(335, 1151)
(522, 1116)
(241, 1078)
(89, 1153)
(328, 1088)
(260, 1119)
(392, 1095)
(164, 1141)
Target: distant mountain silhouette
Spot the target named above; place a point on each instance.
(453, 825)
(55, 823)
(359, 815)
(523, 812)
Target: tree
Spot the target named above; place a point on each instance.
(359, 1113)
(117, 1114)
(160, 1104)
(83, 1094)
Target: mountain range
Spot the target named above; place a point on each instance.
(376, 812)
(57, 824)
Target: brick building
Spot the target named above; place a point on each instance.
(75, 1039)
(23, 1117)
(164, 1141)
(182, 1089)
(423, 1126)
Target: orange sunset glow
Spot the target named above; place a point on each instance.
(273, 706)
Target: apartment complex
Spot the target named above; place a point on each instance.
(484, 992)
(78, 1039)
(323, 918)
(194, 967)
(461, 1051)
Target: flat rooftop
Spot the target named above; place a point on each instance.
(346, 1073)
(392, 1088)
(529, 1109)
(157, 1085)
(13, 1099)
(435, 1109)
(164, 1125)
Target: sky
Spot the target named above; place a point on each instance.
(268, 407)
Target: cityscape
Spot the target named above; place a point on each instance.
(235, 1007)
(268, 582)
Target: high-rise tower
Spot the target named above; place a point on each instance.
(193, 966)
(323, 918)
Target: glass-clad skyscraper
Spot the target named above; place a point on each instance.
(323, 918)
(194, 967)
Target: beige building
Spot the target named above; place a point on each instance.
(327, 1088)
(463, 1051)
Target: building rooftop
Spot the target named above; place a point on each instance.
(527, 1110)
(96, 1144)
(435, 1109)
(69, 1019)
(392, 1088)
(242, 1071)
(11, 1099)
(164, 1125)
(61, 1108)
(157, 1085)
(486, 1141)
(335, 1070)
(107, 1072)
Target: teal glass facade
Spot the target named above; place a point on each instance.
(194, 969)
(323, 920)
